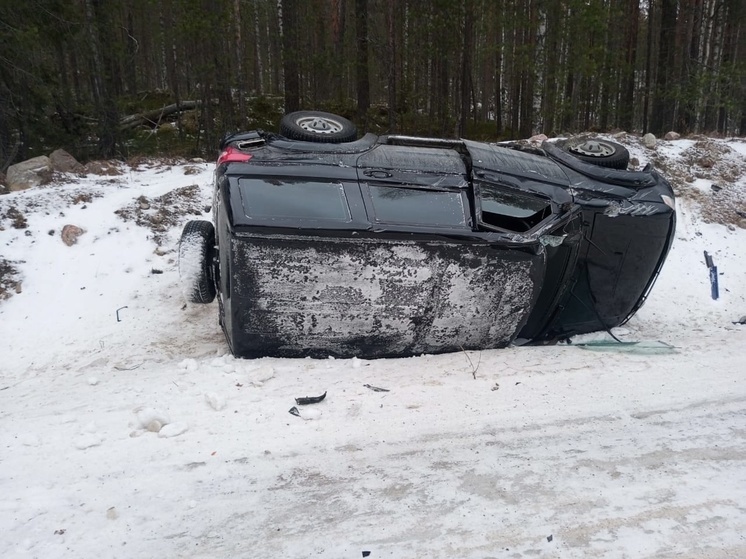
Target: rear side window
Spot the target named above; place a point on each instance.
(506, 209)
(417, 207)
(282, 199)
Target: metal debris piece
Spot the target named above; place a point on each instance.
(376, 389)
(119, 309)
(294, 411)
(309, 400)
(714, 288)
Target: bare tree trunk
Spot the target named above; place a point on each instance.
(258, 67)
(240, 81)
(287, 14)
(466, 62)
(528, 77)
(391, 56)
(361, 66)
(627, 99)
(101, 81)
(663, 100)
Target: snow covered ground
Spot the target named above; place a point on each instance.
(552, 451)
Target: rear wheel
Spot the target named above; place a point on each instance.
(598, 152)
(196, 261)
(316, 126)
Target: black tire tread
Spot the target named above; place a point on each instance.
(203, 291)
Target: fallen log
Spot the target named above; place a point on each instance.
(156, 116)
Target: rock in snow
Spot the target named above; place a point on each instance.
(649, 140)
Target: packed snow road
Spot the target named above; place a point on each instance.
(606, 455)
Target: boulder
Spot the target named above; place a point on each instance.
(670, 136)
(538, 138)
(649, 140)
(102, 168)
(70, 234)
(29, 173)
(64, 162)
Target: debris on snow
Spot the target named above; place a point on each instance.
(376, 388)
(306, 400)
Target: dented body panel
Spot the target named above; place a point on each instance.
(375, 297)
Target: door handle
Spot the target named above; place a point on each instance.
(377, 174)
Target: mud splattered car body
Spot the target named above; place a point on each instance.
(397, 246)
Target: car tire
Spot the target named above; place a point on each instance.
(196, 260)
(316, 126)
(598, 152)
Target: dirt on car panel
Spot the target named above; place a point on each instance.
(376, 298)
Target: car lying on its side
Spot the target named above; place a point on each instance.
(328, 245)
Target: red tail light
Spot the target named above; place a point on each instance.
(232, 155)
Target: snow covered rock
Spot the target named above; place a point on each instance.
(29, 173)
(649, 140)
(671, 136)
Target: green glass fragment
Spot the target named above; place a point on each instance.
(653, 347)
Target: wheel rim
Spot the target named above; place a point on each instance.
(594, 148)
(319, 125)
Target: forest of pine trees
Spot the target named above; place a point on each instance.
(79, 74)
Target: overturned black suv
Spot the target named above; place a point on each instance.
(328, 245)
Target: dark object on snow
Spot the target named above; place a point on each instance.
(392, 246)
(119, 309)
(714, 287)
(741, 320)
(376, 389)
(294, 411)
(310, 400)
(550, 537)
(196, 261)
(366, 553)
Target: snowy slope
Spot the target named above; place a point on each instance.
(524, 452)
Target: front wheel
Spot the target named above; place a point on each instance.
(316, 126)
(196, 261)
(598, 152)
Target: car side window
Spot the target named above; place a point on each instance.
(394, 204)
(506, 209)
(294, 199)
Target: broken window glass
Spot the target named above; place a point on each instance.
(509, 210)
